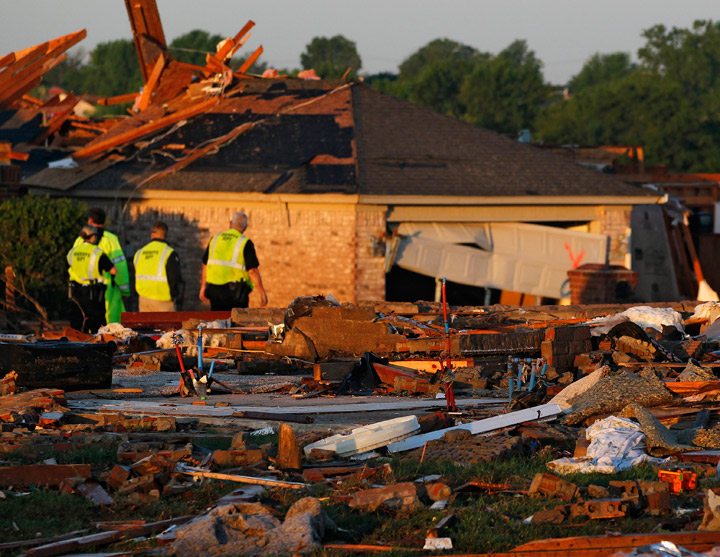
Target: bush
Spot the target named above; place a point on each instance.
(36, 232)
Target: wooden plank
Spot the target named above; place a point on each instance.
(21, 60)
(289, 453)
(167, 319)
(54, 49)
(229, 48)
(57, 120)
(118, 99)
(11, 98)
(102, 145)
(7, 59)
(607, 545)
(40, 541)
(250, 61)
(105, 538)
(147, 32)
(685, 388)
(41, 474)
(242, 479)
(149, 88)
(690, 287)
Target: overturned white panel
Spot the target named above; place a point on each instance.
(451, 233)
(524, 258)
(531, 240)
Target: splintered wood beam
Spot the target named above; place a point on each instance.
(47, 58)
(229, 48)
(7, 59)
(250, 61)
(9, 100)
(118, 99)
(57, 121)
(145, 23)
(102, 145)
(22, 60)
(14, 90)
(32, 100)
(149, 88)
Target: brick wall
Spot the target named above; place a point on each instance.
(303, 249)
(615, 222)
(369, 263)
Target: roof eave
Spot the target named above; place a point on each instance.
(513, 200)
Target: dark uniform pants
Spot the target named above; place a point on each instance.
(225, 297)
(88, 307)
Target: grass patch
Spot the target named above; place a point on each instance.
(48, 513)
(95, 455)
(485, 523)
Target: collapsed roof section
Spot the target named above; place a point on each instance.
(214, 128)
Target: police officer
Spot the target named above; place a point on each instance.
(230, 269)
(158, 280)
(87, 265)
(110, 245)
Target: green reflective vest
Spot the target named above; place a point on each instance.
(150, 273)
(84, 261)
(226, 260)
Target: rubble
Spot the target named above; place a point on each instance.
(544, 388)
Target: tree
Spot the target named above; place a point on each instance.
(504, 93)
(331, 57)
(60, 75)
(601, 68)
(193, 46)
(436, 51)
(113, 69)
(35, 234)
(669, 103)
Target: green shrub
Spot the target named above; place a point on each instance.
(36, 232)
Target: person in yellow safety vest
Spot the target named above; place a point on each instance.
(158, 280)
(87, 264)
(230, 269)
(118, 288)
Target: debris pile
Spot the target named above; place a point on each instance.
(632, 393)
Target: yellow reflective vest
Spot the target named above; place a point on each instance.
(84, 261)
(110, 245)
(226, 260)
(150, 272)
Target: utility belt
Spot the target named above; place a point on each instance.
(95, 291)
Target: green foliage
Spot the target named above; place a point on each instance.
(36, 232)
(669, 103)
(113, 69)
(502, 93)
(193, 46)
(599, 69)
(437, 51)
(331, 57)
(505, 92)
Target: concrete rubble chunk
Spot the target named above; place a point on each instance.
(251, 529)
(398, 496)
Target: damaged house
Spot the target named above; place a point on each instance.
(344, 186)
(348, 191)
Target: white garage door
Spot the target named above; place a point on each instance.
(510, 256)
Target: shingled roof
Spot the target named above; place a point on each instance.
(315, 137)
